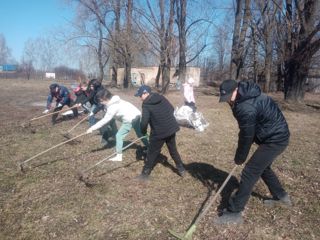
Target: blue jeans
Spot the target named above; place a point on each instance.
(125, 129)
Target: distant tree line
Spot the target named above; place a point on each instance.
(274, 43)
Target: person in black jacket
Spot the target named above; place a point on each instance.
(158, 112)
(261, 121)
(108, 131)
(94, 86)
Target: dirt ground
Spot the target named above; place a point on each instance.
(48, 201)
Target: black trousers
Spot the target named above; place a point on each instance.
(154, 150)
(258, 166)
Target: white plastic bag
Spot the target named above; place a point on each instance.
(186, 117)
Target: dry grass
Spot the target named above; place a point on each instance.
(49, 201)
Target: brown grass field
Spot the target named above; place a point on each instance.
(49, 202)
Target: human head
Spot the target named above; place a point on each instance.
(103, 96)
(143, 92)
(94, 84)
(53, 87)
(190, 80)
(228, 90)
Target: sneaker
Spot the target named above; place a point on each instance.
(284, 201)
(229, 218)
(143, 178)
(117, 158)
(181, 171)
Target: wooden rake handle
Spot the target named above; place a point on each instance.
(49, 114)
(39, 154)
(205, 210)
(136, 140)
(83, 119)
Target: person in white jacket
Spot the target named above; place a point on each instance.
(120, 110)
(188, 94)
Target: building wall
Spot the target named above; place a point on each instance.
(147, 75)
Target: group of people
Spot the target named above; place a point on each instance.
(259, 119)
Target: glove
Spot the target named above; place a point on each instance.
(59, 105)
(45, 111)
(91, 114)
(89, 130)
(146, 136)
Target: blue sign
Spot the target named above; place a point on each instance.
(8, 68)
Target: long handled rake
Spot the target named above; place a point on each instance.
(39, 154)
(49, 114)
(82, 173)
(192, 228)
(67, 134)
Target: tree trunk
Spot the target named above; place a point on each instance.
(295, 79)
(116, 55)
(128, 56)
(157, 80)
(239, 34)
(181, 19)
(127, 74)
(99, 53)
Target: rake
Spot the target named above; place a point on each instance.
(81, 174)
(192, 228)
(39, 154)
(67, 134)
(49, 114)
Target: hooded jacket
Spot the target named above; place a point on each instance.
(259, 118)
(62, 95)
(158, 112)
(91, 94)
(120, 110)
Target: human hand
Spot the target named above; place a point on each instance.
(91, 114)
(45, 111)
(59, 105)
(89, 130)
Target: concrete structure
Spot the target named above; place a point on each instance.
(147, 75)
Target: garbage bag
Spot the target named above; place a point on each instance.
(186, 117)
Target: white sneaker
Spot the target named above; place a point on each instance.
(117, 158)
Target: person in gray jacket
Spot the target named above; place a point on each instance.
(261, 121)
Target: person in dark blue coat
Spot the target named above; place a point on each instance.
(157, 112)
(62, 96)
(260, 121)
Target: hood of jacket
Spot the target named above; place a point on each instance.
(113, 100)
(247, 90)
(153, 99)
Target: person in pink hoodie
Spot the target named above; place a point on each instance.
(188, 94)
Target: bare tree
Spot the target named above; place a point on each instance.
(158, 31)
(90, 32)
(5, 52)
(181, 22)
(128, 45)
(28, 58)
(301, 27)
(240, 30)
